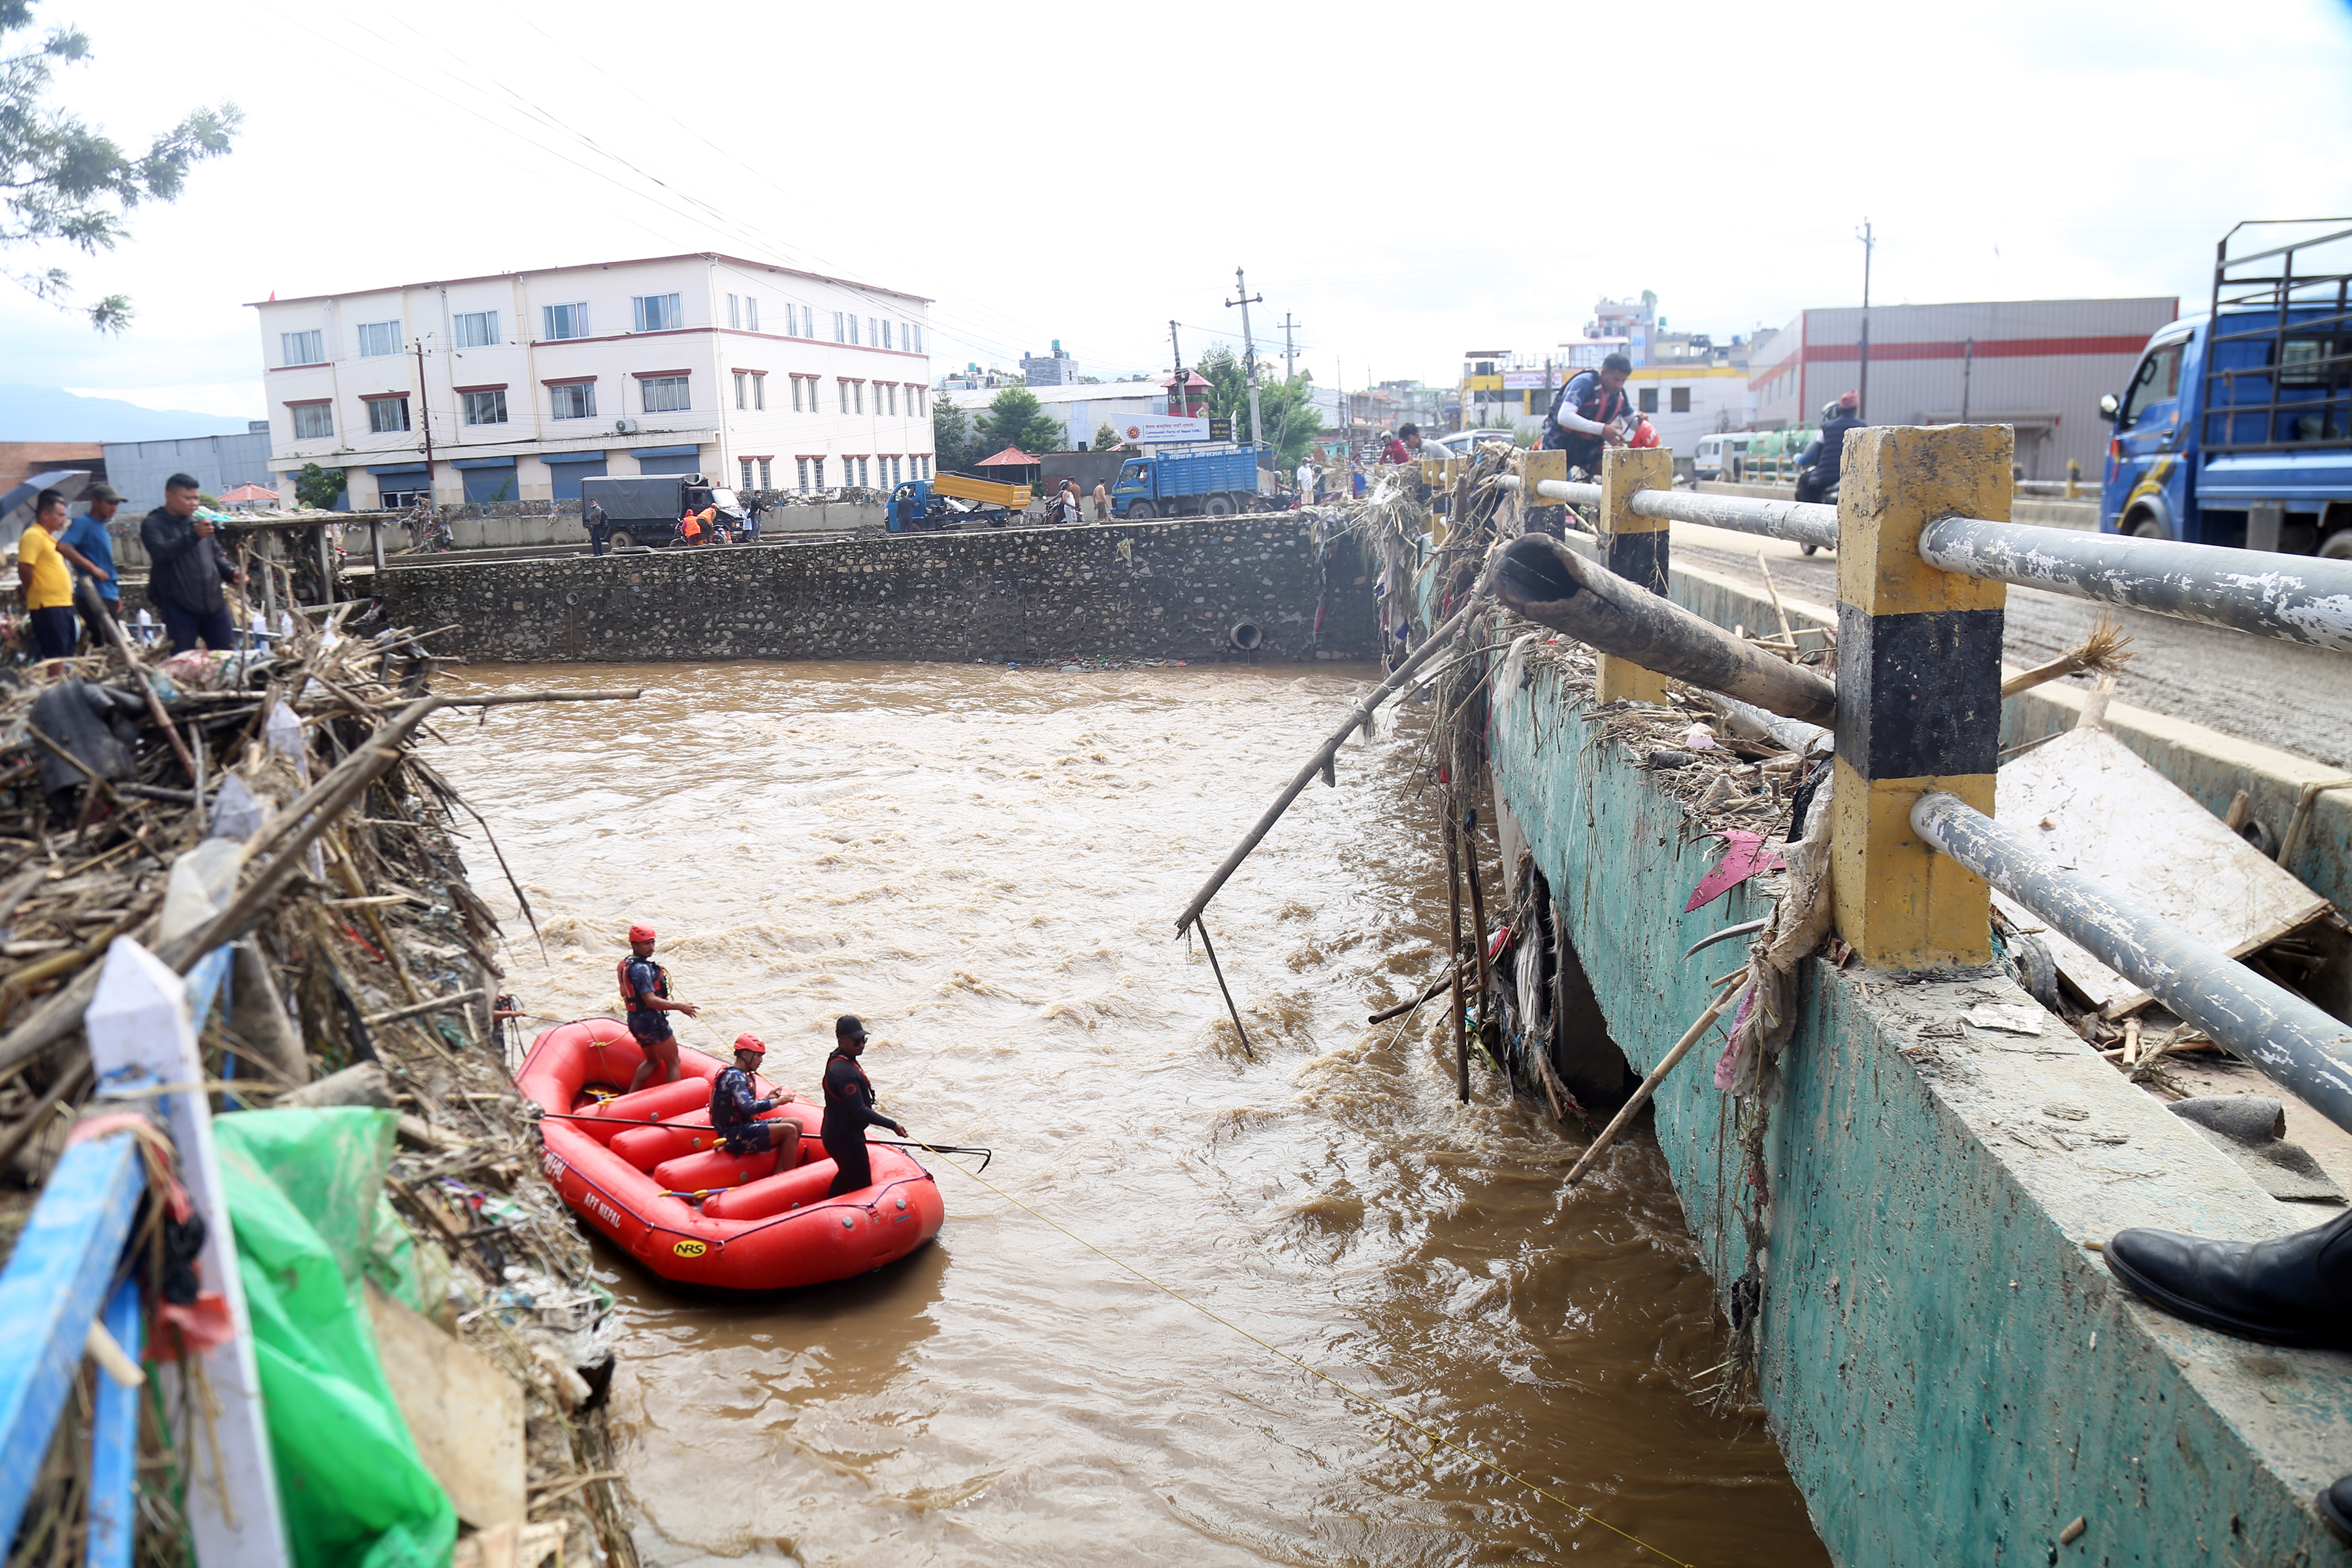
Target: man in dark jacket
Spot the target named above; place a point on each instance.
(1828, 449)
(849, 1109)
(185, 579)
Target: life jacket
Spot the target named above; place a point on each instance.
(862, 1091)
(629, 999)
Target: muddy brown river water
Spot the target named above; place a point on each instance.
(984, 864)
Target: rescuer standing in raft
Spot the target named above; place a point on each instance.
(849, 1109)
(645, 995)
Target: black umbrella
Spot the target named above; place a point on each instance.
(17, 506)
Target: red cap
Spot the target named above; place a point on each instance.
(641, 932)
(1850, 400)
(751, 1043)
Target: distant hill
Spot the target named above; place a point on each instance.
(53, 413)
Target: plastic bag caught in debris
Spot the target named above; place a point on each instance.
(304, 1189)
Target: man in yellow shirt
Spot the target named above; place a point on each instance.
(46, 583)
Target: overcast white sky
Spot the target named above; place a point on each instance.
(1406, 182)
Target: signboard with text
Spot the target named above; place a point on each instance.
(1220, 429)
(1162, 429)
(1527, 381)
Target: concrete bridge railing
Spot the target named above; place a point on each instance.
(1925, 553)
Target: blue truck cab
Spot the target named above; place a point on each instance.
(2236, 427)
(1209, 484)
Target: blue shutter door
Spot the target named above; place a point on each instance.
(494, 484)
(567, 476)
(684, 463)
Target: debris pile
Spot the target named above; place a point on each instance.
(275, 804)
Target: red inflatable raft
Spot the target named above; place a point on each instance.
(643, 1169)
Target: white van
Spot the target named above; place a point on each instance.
(1713, 458)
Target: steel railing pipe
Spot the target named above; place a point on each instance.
(2294, 598)
(1799, 523)
(2299, 1046)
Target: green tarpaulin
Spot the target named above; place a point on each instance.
(305, 1195)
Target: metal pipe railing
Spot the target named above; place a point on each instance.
(1799, 523)
(2299, 1046)
(2295, 598)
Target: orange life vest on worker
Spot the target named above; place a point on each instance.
(629, 994)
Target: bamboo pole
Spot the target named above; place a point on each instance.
(1453, 917)
(1316, 765)
(1657, 1075)
(1209, 948)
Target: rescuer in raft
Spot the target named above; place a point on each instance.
(849, 1108)
(735, 1109)
(645, 995)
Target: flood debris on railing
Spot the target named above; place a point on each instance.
(265, 824)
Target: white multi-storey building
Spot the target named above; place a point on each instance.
(518, 385)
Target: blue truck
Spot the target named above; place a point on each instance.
(1206, 484)
(2236, 428)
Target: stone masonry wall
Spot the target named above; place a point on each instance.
(1153, 590)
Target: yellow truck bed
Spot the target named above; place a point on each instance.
(987, 492)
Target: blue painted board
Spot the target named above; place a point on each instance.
(114, 1444)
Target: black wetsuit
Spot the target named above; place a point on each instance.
(848, 1112)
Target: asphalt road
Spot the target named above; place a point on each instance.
(2282, 694)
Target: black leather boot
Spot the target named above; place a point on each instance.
(2295, 1291)
(2336, 1507)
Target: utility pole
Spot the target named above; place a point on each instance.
(1862, 392)
(1967, 369)
(1289, 353)
(425, 418)
(1249, 348)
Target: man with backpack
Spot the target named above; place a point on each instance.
(1584, 416)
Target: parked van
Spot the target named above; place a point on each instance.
(1712, 460)
(2236, 427)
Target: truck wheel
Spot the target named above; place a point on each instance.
(1141, 511)
(1217, 506)
(2143, 525)
(2337, 546)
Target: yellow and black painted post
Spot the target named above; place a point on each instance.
(1919, 691)
(1540, 513)
(1635, 548)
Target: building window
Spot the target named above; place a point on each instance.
(313, 421)
(665, 393)
(802, 463)
(764, 475)
(574, 400)
(837, 336)
(745, 464)
(741, 392)
(378, 338)
(889, 391)
(886, 334)
(387, 415)
(735, 311)
(796, 394)
(486, 407)
(1649, 400)
(759, 391)
(750, 314)
(842, 387)
(567, 320)
(303, 348)
(872, 331)
(476, 328)
(917, 396)
(655, 313)
(861, 483)
(924, 472)
(915, 336)
(1678, 400)
(853, 329)
(857, 397)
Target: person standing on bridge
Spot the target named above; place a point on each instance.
(646, 998)
(1585, 414)
(188, 570)
(1307, 477)
(1102, 500)
(849, 1109)
(595, 520)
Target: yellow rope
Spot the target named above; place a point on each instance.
(1437, 1439)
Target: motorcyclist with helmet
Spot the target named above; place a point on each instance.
(1817, 464)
